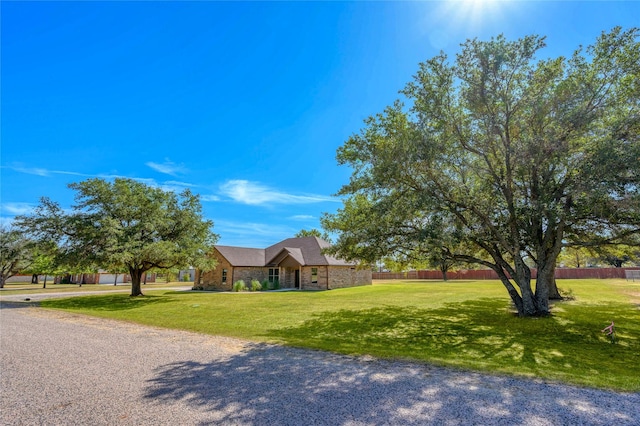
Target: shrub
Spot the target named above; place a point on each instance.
(255, 285)
(239, 286)
(265, 284)
(567, 294)
(276, 284)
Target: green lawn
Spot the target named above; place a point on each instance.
(465, 324)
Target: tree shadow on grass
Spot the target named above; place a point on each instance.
(112, 302)
(267, 384)
(479, 333)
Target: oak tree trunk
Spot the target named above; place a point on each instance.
(526, 302)
(554, 293)
(523, 280)
(513, 292)
(529, 302)
(546, 280)
(545, 276)
(136, 275)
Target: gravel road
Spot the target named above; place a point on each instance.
(65, 369)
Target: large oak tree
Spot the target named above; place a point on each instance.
(126, 225)
(514, 156)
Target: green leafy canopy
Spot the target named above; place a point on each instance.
(126, 225)
(500, 159)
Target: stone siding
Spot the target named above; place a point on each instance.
(330, 277)
(323, 277)
(248, 273)
(212, 280)
(287, 277)
(348, 276)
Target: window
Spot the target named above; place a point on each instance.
(274, 274)
(314, 275)
(224, 275)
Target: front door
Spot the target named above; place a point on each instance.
(297, 279)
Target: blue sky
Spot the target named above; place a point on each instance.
(244, 103)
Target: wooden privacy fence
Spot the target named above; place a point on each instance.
(410, 275)
(488, 274)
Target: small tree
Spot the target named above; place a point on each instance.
(46, 261)
(16, 253)
(615, 256)
(575, 257)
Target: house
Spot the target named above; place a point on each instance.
(102, 277)
(293, 263)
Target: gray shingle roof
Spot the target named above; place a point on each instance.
(305, 250)
(241, 256)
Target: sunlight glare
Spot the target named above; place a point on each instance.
(474, 9)
(466, 18)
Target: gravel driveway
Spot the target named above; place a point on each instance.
(65, 369)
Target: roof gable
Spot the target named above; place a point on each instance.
(286, 252)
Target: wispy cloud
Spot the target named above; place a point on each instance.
(170, 185)
(251, 234)
(32, 171)
(16, 208)
(209, 197)
(168, 167)
(253, 193)
(179, 183)
(38, 171)
(302, 217)
(261, 229)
